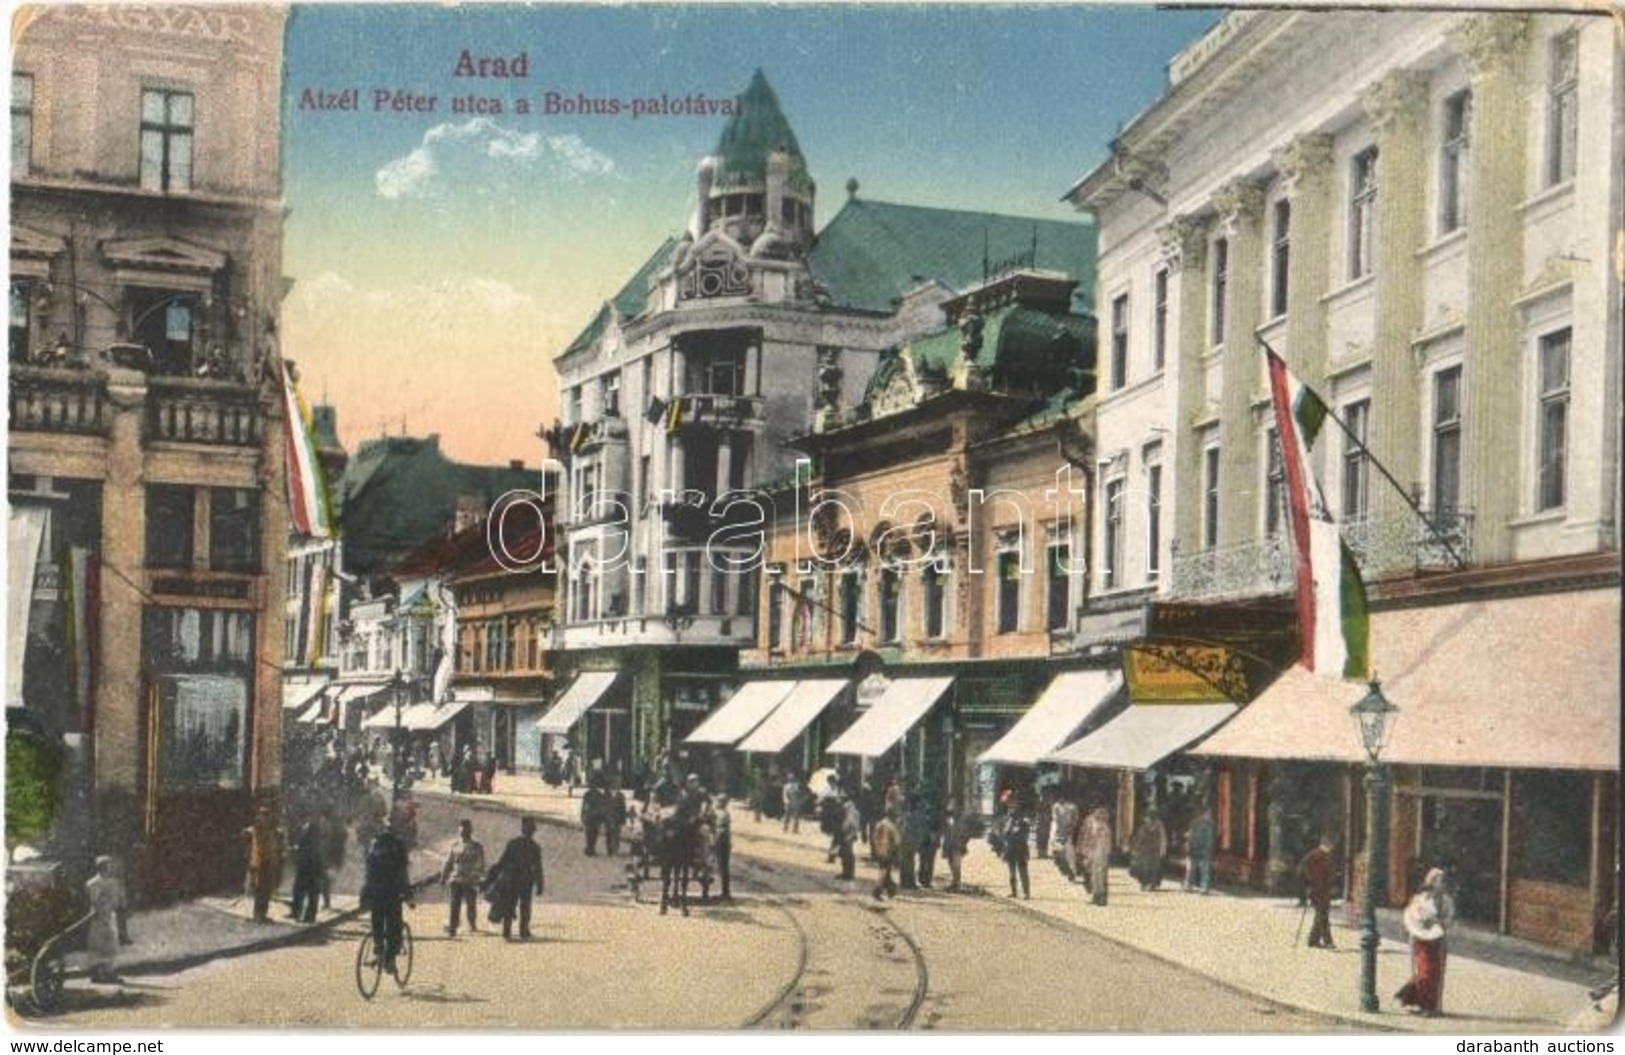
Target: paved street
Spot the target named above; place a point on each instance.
(797, 949)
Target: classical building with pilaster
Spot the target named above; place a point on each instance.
(145, 468)
(1417, 212)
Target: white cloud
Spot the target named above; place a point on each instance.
(481, 155)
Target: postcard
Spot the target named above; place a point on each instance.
(704, 517)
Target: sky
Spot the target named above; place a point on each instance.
(441, 256)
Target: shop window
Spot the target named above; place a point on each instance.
(200, 661)
(1552, 827)
(234, 529)
(170, 526)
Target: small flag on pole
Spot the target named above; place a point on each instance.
(1332, 617)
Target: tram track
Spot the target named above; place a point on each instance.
(857, 968)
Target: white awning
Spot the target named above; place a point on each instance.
(1144, 735)
(1069, 701)
(1517, 683)
(793, 714)
(905, 702)
(744, 711)
(588, 688)
(298, 697)
(25, 530)
(410, 715)
(436, 718)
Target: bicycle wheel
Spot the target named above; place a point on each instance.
(403, 959)
(368, 969)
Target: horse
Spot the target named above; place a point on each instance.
(675, 846)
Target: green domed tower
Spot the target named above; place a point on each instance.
(756, 187)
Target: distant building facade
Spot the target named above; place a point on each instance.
(729, 340)
(145, 459)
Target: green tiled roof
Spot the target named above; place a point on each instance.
(873, 252)
(756, 130)
(1022, 347)
(629, 302)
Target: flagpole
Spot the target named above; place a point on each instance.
(1331, 415)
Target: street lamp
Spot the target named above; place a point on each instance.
(1375, 717)
(397, 686)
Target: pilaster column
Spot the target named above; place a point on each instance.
(1184, 241)
(119, 745)
(1497, 49)
(1306, 171)
(1398, 107)
(1241, 210)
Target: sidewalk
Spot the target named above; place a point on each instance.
(179, 937)
(1249, 943)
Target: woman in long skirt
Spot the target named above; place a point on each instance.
(1427, 918)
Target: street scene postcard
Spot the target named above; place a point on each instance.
(987, 519)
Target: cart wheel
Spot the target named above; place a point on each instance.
(46, 981)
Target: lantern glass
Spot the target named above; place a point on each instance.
(1375, 715)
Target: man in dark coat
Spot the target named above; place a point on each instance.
(1319, 872)
(387, 884)
(1015, 833)
(592, 817)
(307, 872)
(510, 883)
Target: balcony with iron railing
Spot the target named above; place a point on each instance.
(1385, 546)
(720, 411)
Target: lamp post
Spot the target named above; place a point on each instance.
(1375, 716)
(397, 686)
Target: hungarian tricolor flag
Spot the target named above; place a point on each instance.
(1332, 616)
(308, 507)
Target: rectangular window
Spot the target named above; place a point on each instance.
(1058, 603)
(166, 140)
(1221, 285)
(851, 606)
(1356, 463)
(640, 585)
(1119, 364)
(1112, 544)
(22, 123)
(1153, 535)
(691, 580)
(574, 404)
(1362, 212)
(1159, 320)
(610, 394)
(775, 615)
(749, 585)
(933, 583)
(170, 526)
(1275, 496)
(202, 660)
(890, 605)
(1563, 108)
(1453, 162)
(1280, 258)
(723, 373)
(1008, 569)
(1210, 498)
(22, 317)
(1554, 418)
(234, 529)
(1447, 439)
(719, 591)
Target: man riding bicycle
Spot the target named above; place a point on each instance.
(387, 884)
